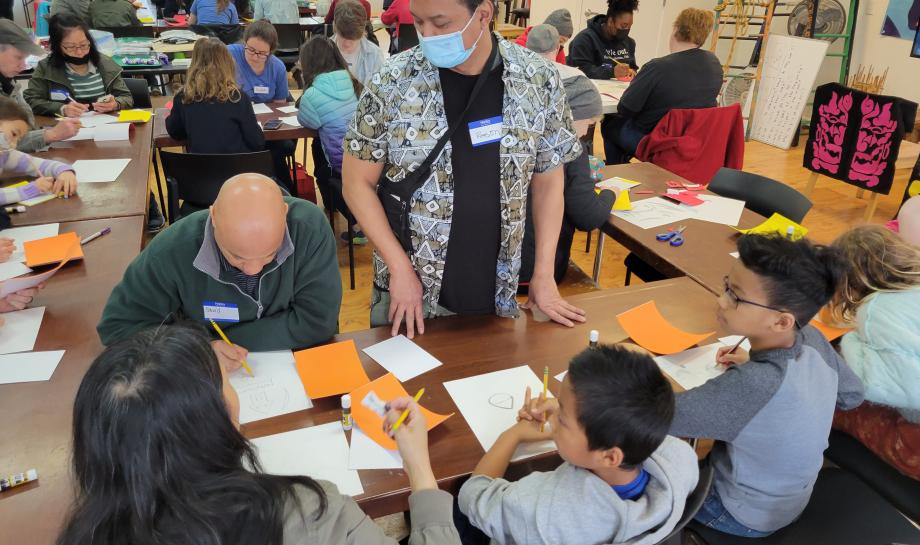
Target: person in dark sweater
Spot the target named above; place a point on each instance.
(211, 114)
(604, 50)
(584, 209)
(689, 77)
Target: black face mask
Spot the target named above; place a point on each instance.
(75, 60)
(622, 34)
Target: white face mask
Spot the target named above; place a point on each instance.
(447, 50)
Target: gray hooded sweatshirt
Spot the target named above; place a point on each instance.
(574, 506)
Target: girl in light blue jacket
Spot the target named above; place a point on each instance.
(881, 296)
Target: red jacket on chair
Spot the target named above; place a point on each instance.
(695, 144)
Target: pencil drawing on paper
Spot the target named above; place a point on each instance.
(502, 401)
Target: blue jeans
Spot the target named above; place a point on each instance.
(714, 515)
(621, 138)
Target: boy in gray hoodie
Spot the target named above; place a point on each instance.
(770, 412)
(623, 480)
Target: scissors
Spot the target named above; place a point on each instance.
(675, 237)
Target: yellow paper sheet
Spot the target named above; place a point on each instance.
(134, 116)
(777, 223)
(622, 202)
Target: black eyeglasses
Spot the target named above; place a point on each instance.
(735, 300)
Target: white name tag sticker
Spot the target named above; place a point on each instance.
(486, 131)
(58, 96)
(221, 312)
(260, 90)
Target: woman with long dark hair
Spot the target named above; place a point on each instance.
(75, 78)
(159, 459)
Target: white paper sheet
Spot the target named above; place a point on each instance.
(736, 255)
(365, 453)
(292, 121)
(86, 133)
(274, 389)
(19, 332)
(21, 235)
(616, 183)
(717, 209)
(402, 357)
(29, 366)
(311, 20)
(12, 285)
(320, 452)
(112, 132)
(694, 367)
(490, 404)
(561, 376)
(653, 212)
(92, 119)
(732, 340)
(261, 109)
(288, 109)
(12, 269)
(99, 170)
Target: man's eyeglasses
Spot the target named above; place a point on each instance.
(735, 301)
(76, 48)
(257, 53)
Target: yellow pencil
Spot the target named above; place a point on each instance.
(616, 61)
(405, 413)
(226, 340)
(545, 392)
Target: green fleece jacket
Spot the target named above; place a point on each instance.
(48, 77)
(300, 291)
(113, 14)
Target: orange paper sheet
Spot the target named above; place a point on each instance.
(830, 331)
(331, 369)
(652, 331)
(49, 250)
(387, 388)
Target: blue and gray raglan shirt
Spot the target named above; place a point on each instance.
(770, 418)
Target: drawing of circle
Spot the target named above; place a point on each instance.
(502, 401)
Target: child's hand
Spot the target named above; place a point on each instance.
(45, 184)
(738, 357)
(535, 410)
(412, 441)
(528, 431)
(66, 183)
(7, 247)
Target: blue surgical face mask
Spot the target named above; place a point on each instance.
(447, 50)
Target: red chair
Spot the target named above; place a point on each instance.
(696, 143)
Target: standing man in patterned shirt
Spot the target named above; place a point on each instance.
(461, 252)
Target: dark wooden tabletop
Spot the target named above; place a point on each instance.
(161, 138)
(36, 427)
(705, 254)
(470, 346)
(126, 196)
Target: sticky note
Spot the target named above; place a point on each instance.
(685, 197)
(134, 116)
(44, 251)
(829, 331)
(622, 202)
(649, 329)
(777, 223)
(330, 369)
(386, 388)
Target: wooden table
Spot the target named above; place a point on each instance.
(127, 196)
(509, 31)
(704, 256)
(36, 427)
(474, 345)
(161, 138)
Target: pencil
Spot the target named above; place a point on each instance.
(405, 413)
(545, 388)
(732, 351)
(226, 340)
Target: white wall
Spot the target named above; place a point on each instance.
(880, 51)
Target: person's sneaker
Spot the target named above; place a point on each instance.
(155, 219)
(359, 238)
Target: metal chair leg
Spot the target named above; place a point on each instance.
(588, 242)
(351, 252)
(598, 258)
(628, 276)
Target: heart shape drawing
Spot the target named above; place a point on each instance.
(502, 401)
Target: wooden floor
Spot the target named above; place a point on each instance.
(836, 208)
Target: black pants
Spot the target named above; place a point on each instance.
(621, 138)
(6, 9)
(280, 149)
(469, 534)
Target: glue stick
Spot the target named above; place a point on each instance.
(593, 337)
(346, 412)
